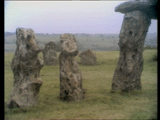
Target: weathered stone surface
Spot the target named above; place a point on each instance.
(88, 57)
(150, 2)
(70, 75)
(127, 76)
(26, 66)
(147, 6)
(49, 55)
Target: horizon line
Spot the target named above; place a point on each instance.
(73, 33)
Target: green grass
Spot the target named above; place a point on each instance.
(100, 102)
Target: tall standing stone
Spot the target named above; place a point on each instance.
(49, 54)
(70, 75)
(127, 75)
(26, 66)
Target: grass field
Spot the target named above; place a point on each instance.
(100, 102)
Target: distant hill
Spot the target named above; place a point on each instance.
(151, 40)
(9, 34)
(97, 42)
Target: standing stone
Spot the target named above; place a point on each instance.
(88, 57)
(148, 7)
(49, 55)
(26, 66)
(70, 76)
(127, 76)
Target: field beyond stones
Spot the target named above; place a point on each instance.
(96, 42)
(100, 102)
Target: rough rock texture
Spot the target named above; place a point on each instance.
(88, 57)
(147, 6)
(26, 66)
(127, 76)
(49, 55)
(70, 76)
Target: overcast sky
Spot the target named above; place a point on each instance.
(65, 16)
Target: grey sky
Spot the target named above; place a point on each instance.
(65, 17)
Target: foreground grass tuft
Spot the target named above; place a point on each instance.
(100, 102)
